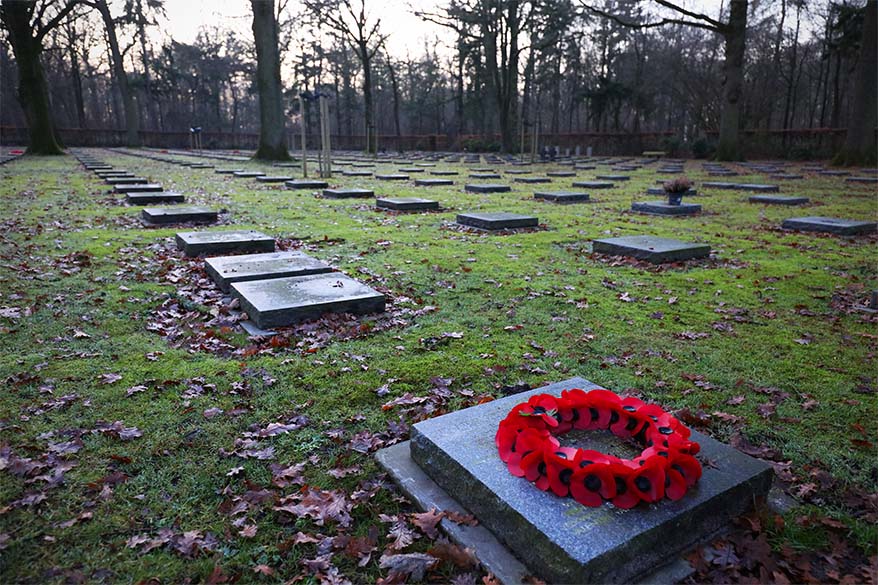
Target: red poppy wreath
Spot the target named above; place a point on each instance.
(528, 444)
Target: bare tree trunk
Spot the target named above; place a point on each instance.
(33, 92)
(132, 130)
(729, 147)
(272, 140)
(860, 146)
(75, 77)
(391, 72)
(368, 103)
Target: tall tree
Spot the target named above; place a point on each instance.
(272, 135)
(354, 23)
(132, 120)
(27, 23)
(734, 33)
(860, 146)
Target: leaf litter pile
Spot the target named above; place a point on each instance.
(144, 438)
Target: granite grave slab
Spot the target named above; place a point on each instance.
(306, 184)
(559, 539)
(406, 204)
(497, 221)
(487, 188)
(562, 196)
(153, 198)
(433, 182)
(248, 174)
(651, 248)
(665, 208)
(138, 188)
(833, 225)
(224, 270)
(593, 184)
(778, 200)
(285, 301)
(126, 180)
(484, 176)
(170, 215)
(223, 242)
(273, 179)
(533, 180)
(613, 177)
(348, 193)
(392, 177)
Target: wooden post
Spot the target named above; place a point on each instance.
(326, 171)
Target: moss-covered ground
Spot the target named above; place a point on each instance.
(762, 346)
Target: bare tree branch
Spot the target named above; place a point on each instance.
(645, 25)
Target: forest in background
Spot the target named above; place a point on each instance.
(557, 65)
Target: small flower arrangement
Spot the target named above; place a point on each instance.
(676, 189)
(526, 441)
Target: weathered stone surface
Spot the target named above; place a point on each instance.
(248, 174)
(223, 242)
(497, 221)
(861, 180)
(487, 188)
(406, 203)
(594, 184)
(114, 173)
(357, 173)
(228, 171)
(444, 173)
(778, 200)
(833, 225)
(717, 185)
(562, 196)
(163, 215)
(224, 270)
(516, 171)
(561, 540)
(561, 174)
(273, 179)
(411, 170)
(664, 208)
(433, 182)
(392, 177)
(532, 180)
(651, 249)
(833, 173)
(484, 176)
(306, 184)
(126, 180)
(285, 301)
(348, 193)
(613, 177)
(139, 188)
(786, 176)
(151, 198)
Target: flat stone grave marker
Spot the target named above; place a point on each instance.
(716, 185)
(126, 180)
(285, 301)
(562, 196)
(722, 174)
(225, 270)
(357, 173)
(484, 176)
(665, 208)
(273, 179)
(786, 176)
(778, 200)
(651, 248)
(306, 184)
(433, 182)
(833, 225)
(594, 184)
(585, 167)
(114, 173)
(561, 540)
(411, 170)
(757, 188)
(201, 166)
(533, 180)
(248, 174)
(348, 193)
(152, 198)
(406, 203)
(482, 170)
(516, 171)
(425, 164)
(363, 165)
(833, 173)
(167, 215)
(613, 177)
(487, 188)
(392, 177)
(444, 173)
(497, 221)
(98, 167)
(138, 188)
(223, 242)
(661, 191)
(228, 171)
(861, 180)
(561, 174)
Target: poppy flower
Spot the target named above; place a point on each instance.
(560, 464)
(534, 466)
(528, 441)
(626, 497)
(591, 484)
(648, 480)
(542, 406)
(683, 472)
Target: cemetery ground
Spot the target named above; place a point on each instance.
(144, 435)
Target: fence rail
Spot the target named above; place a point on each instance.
(804, 143)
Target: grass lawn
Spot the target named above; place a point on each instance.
(143, 436)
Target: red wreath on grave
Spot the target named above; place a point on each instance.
(527, 442)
